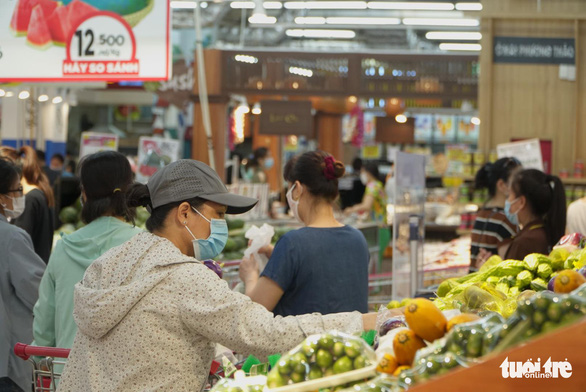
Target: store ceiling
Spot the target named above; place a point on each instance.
(336, 25)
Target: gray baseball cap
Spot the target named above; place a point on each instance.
(186, 179)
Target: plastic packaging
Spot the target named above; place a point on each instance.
(322, 361)
(240, 383)
(381, 383)
(259, 238)
(467, 340)
(571, 242)
(431, 366)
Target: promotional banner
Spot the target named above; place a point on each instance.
(154, 153)
(528, 152)
(92, 142)
(81, 40)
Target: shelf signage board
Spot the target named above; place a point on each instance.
(92, 142)
(529, 50)
(84, 40)
(528, 152)
(286, 118)
(154, 153)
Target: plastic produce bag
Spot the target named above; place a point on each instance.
(431, 366)
(327, 360)
(240, 383)
(571, 242)
(466, 340)
(259, 238)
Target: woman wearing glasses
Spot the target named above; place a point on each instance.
(491, 226)
(20, 274)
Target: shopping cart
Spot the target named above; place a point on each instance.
(44, 360)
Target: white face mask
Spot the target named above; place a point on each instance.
(18, 205)
(363, 178)
(293, 204)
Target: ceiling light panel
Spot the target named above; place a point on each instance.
(454, 35)
(441, 22)
(403, 5)
(325, 5)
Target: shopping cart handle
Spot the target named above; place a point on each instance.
(24, 351)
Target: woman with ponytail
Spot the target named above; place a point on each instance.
(105, 179)
(537, 203)
(39, 214)
(304, 263)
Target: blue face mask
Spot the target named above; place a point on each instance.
(214, 244)
(510, 216)
(269, 163)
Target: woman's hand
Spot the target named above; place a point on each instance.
(249, 272)
(483, 255)
(266, 250)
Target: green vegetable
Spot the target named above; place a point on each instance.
(531, 261)
(505, 280)
(503, 288)
(544, 270)
(493, 280)
(524, 279)
(554, 312)
(538, 319)
(446, 286)
(509, 267)
(538, 284)
(514, 291)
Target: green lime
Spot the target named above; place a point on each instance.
(351, 349)
(298, 363)
(343, 365)
(432, 366)
(554, 312)
(326, 341)
(276, 380)
(338, 349)
(324, 358)
(359, 362)
(393, 304)
(309, 347)
(329, 372)
(297, 377)
(284, 367)
(449, 362)
(315, 373)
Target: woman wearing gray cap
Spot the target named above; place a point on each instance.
(149, 312)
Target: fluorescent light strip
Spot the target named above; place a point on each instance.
(325, 5)
(319, 33)
(461, 47)
(440, 22)
(244, 58)
(362, 21)
(242, 4)
(262, 19)
(453, 35)
(272, 5)
(310, 20)
(469, 6)
(401, 5)
(301, 71)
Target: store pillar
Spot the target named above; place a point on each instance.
(273, 143)
(329, 134)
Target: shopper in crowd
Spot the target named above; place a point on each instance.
(38, 220)
(374, 201)
(306, 261)
(354, 191)
(576, 217)
(52, 175)
(105, 178)
(21, 270)
(260, 161)
(69, 170)
(537, 203)
(57, 162)
(491, 226)
(149, 311)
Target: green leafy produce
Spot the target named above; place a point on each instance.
(544, 270)
(446, 286)
(538, 284)
(503, 287)
(531, 261)
(493, 280)
(558, 257)
(524, 279)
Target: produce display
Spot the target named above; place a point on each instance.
(241, 384)
(323, 357)
(237, 243)
(381, 383)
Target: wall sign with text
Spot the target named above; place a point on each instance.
(286, 118)
(80, 40)
(522, 50)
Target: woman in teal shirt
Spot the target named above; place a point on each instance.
(105, 177)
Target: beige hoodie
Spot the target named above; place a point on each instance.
(149, 318)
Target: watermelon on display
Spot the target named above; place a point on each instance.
(38, 34)
(78, 12)
(23, 11)
(59, 26)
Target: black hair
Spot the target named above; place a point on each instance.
(41, 155)
(491, 173)
(138, 195)
(372, 168)
(105, 177)
(357, 164)
(259, 153)
(59, 157)
(310, 170)
(546, 198)
(8, 175)
(71, 165)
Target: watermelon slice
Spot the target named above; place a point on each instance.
(79, 11)
(22, 14)
(59, 26)
(38, 34)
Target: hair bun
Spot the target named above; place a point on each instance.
(339, 169)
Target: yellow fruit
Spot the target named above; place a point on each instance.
(388, 364)
(567, 281)
(425, 319)
(405, 344)
(461, 318)
(400, 369)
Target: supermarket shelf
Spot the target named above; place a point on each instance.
(566, 344)
(574, 181)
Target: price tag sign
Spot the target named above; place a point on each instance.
(84, 40)
(102, 45)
